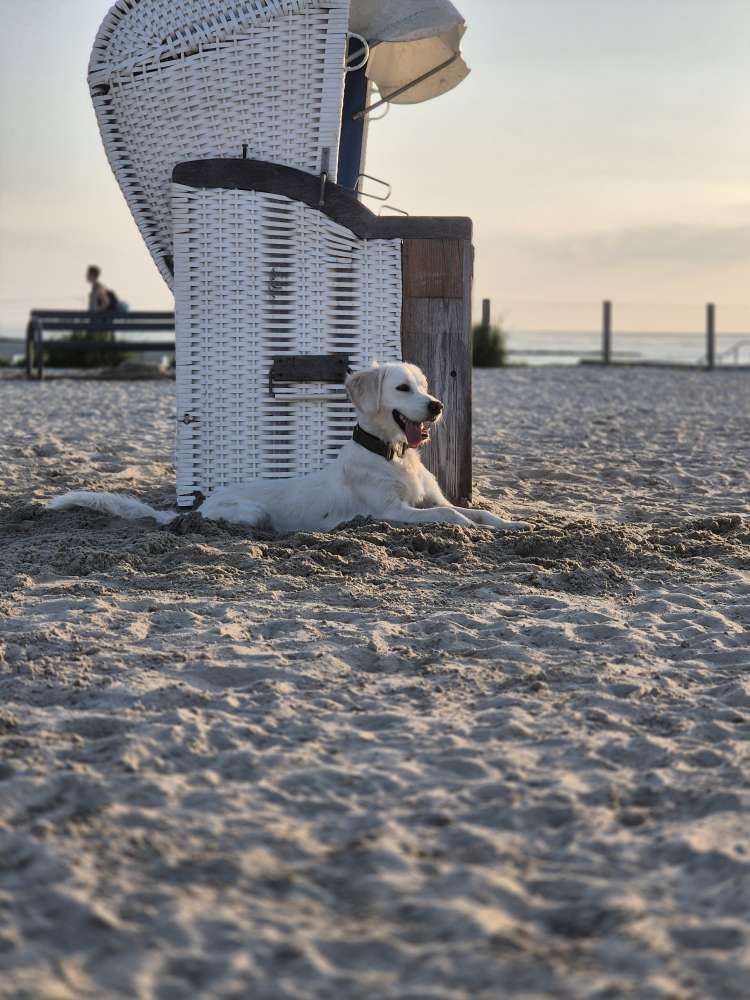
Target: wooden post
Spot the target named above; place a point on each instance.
(39, 348)
(710, 336)
(486, 314)
(436, 335)
(29, 348)
(606, 333)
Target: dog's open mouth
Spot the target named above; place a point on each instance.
(416, 433)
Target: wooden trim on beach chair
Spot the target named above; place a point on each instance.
(332, 200)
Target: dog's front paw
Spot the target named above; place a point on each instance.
(500, 524)
(516, 526)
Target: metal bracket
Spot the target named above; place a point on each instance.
(327, 368)
(276, 284)
(325, 168)
(356, 60)
(367, 194)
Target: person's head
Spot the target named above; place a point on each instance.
(92, 275)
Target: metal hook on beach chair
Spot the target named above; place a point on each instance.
(368, 194)
(362, 55)
(325, 167)
(378, 118)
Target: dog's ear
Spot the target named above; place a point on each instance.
(366, 390)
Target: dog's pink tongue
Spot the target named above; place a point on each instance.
(414, 435)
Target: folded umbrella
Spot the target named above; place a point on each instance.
(415, 47)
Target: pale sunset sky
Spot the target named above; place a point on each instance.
(601, 146)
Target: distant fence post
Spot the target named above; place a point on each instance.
(29, 349)
(710, 336)
(606, 333)
(486, 313)
(39, 348)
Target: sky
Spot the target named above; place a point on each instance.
(601, 147)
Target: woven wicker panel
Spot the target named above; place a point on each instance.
(137, 31)
(173, 80)
(259, 276)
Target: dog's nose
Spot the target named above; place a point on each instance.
(435, 408)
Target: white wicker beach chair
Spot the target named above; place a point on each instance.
(274, 301)
(176, 80)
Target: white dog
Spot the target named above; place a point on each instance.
(377, 474)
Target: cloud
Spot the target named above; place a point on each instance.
(665, 243)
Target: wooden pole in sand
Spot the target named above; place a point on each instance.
(710, 336)
(606, 333)
(486, 314)
(29, 349)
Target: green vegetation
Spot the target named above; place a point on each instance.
(59, 357)
(488, 347)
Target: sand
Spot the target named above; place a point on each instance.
(387, 762)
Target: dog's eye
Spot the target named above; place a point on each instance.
(403, 388)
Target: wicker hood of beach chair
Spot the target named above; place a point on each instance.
(176, 80)
(261, 278)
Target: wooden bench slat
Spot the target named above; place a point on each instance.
(72, 326)
(81, 346)
(83, 314)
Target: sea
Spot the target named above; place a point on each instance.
(545, 347)
(549, 347)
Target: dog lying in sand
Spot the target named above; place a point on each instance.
(377, 474)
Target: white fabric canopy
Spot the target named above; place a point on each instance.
(410, 38)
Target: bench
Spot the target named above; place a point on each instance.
(43, 321)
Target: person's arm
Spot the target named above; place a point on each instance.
(101, 299)
(98, 299)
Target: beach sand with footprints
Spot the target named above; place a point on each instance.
(418, 763)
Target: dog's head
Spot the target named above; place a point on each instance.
(392, 402)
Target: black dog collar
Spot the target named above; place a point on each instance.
(378, 447)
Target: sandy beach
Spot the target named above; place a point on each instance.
(408, 763)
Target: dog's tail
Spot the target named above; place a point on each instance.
(111, 503)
